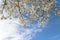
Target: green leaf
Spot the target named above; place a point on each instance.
(5, 3)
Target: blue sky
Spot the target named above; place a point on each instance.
(51, 31)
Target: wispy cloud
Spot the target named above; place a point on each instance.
(9, 30)
(55, 37)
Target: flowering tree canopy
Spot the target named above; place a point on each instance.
(27, 11)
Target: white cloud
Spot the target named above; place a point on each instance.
(11, 30)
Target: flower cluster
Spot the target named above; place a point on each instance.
(27, 10)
